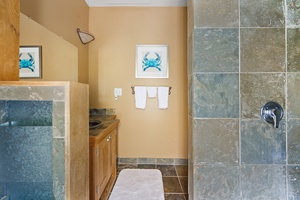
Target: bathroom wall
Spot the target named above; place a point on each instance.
(149, 133)
(242, 54)
(62, 18)
(59, 57)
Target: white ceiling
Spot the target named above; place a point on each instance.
(96, 3)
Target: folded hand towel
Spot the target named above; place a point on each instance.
(140, 97)
(151, 92)
(163, 97)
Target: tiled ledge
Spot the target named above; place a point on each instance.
(153, 161)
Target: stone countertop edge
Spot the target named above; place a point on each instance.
(96, 135)
(102, 117)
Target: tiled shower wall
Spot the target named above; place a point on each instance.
(243, 54)
(34, 95)
(26, 149)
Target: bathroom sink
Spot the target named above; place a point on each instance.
(94, 124)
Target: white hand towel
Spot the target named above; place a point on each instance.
(140, 97)
(163, 97)
(151, 92)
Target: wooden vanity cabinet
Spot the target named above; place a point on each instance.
(103, 165)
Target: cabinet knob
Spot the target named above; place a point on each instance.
(108, 139)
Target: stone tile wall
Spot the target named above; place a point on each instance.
(241, 55)
(42, 132)
(26, 149)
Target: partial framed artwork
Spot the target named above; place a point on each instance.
(30, 61)
(152, 61)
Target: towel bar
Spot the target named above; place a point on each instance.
(133, 92)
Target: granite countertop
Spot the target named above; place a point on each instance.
(102, 117)
(108, 123)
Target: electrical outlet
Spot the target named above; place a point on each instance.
(118, 92)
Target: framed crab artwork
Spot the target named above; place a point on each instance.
(152, 61)
(30, 61)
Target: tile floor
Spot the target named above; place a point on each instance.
(175, 178)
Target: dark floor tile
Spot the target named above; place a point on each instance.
(182, 170)
(174, 197)
(146, 166)
(171, 185)
(184, 183)
(167, 170)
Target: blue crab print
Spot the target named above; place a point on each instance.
(151, 62)
(27, 63)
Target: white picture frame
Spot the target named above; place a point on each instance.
(30, 61)
(152, 61)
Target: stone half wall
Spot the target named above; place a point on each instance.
(40, 135)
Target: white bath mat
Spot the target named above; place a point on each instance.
(138, 184)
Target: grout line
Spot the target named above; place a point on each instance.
(170, 176)
(180, 185)
(173, 193)
(180, 182)
(286, 99)
(240, 108)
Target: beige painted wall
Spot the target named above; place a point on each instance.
(149, 133)
(63, 18)
(59, 57)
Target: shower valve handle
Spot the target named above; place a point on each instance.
(272, 113)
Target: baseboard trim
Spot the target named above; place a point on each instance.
(153, 161)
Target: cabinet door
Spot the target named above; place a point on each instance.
(104, 163)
